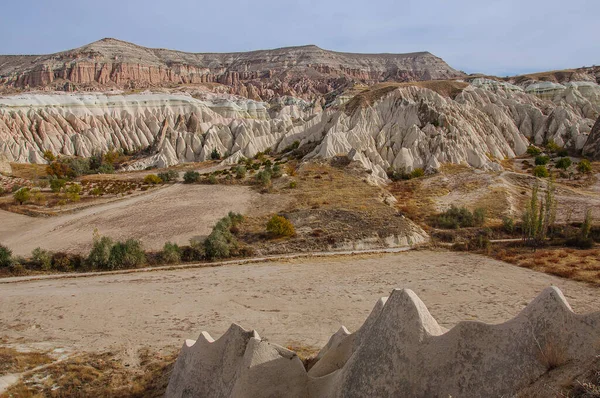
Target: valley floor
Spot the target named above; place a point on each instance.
(295, 302)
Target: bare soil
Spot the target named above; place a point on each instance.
(295, 302)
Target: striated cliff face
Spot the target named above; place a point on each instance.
(306, 71)
(592, 145)
(398, 126)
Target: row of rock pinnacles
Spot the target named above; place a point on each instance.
(400, 351)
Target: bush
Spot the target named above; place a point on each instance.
(221, 243)
(57, 184)
(215, 155)
(479, 217)
(77, 166)
(264, 178)
(126, 254)
(533, 150)
(293, 184)
(277, 171)
(61, 262)
(22, 195)
(41, 258)
(191, 177)
(542, 160)
(540, 171)
(193, 252)
(553, 147)
(455, 218)
(240, 172)
(73, 192)
(416, 173)
(168, 176)
(212, 179)
(6, 259)
(563, 163)
(49, 156)
(279, 226)
(37, 197)
(100, 253)
(508, 225)
(171, 253)
(562, 152)
(105, 168)
(58, 170)
(584, 166)
(152, 179)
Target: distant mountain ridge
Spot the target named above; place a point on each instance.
(303, 71)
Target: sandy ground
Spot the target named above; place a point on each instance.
(297, 301)
(176, 213)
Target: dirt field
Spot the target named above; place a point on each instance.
(293, 302)
(176, 213)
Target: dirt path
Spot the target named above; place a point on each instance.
(302, 301)
(176, 213)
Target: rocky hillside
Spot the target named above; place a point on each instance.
(306, 71)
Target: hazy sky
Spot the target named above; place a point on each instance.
(492, 36)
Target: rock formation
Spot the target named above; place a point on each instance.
(306, 71)
(591, 148)
(399, 351)
(398, 126)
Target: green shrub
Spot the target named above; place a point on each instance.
(584, 166)
(57, 184)
(293, 184)
(41, 258)
(291, 147)
(455, 218)
(212, 179)
(77, 166)
(240, 172)
(562, 152)
(152, 179)
(168, 176)
(191, 177)
(279, 226)
(105, 168)
(221, 243)
(553, 147)
(416, 173)
(22, 195)
(533, 150)
(215, 155)
(126, 254)
(276, 171)
(61, 262)
(479, 217)
(508, 225)
(73, 192)
(6, 259)
(100, 254)
(542, 160)
(171, 253)
(540, 171)
(49, 156)
(563, 163)
(264, 178)
(193, 252)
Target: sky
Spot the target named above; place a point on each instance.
(499, 37)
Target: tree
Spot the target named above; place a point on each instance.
(533, 150)
(126, 254)
(168, 175)
(49, 156)
(100, 253)
(57, 184)
(542, 160)
(584, 166)
(73, 192)
(279, 226)
(22, 195)
(264, 178)
(215, 155)
(191, 177)
(152, 179)
(539, 216)
(5, 256)
(564, 163)
(171, 253)
(540, 171)
(240, 172)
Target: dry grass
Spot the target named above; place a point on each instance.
(28, 171)
(580, 265)
(98, 375)
(307, 354)
(13, 361)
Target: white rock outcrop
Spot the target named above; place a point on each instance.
(399, 351)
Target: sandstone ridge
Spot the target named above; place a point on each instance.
(399, 351)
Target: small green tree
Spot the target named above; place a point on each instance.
(152, 179)
(191, 177)
(533, 150)
(41, 258)
(564, 163)
(540, 171)
(508, 224)
(49, 156)
(126, 254)
(168, 175)
(73, 192)
(276, 171)
(57, 184)
(542, 160)
(279, 226)
(6, 259)
(584, 166)
(479, 217)
(264, 178)
(240, 172)
(552, 146)
(215, 155)
(212, 179)
(171, 253)
(539, 216)
(100, 253)
(22, 195)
